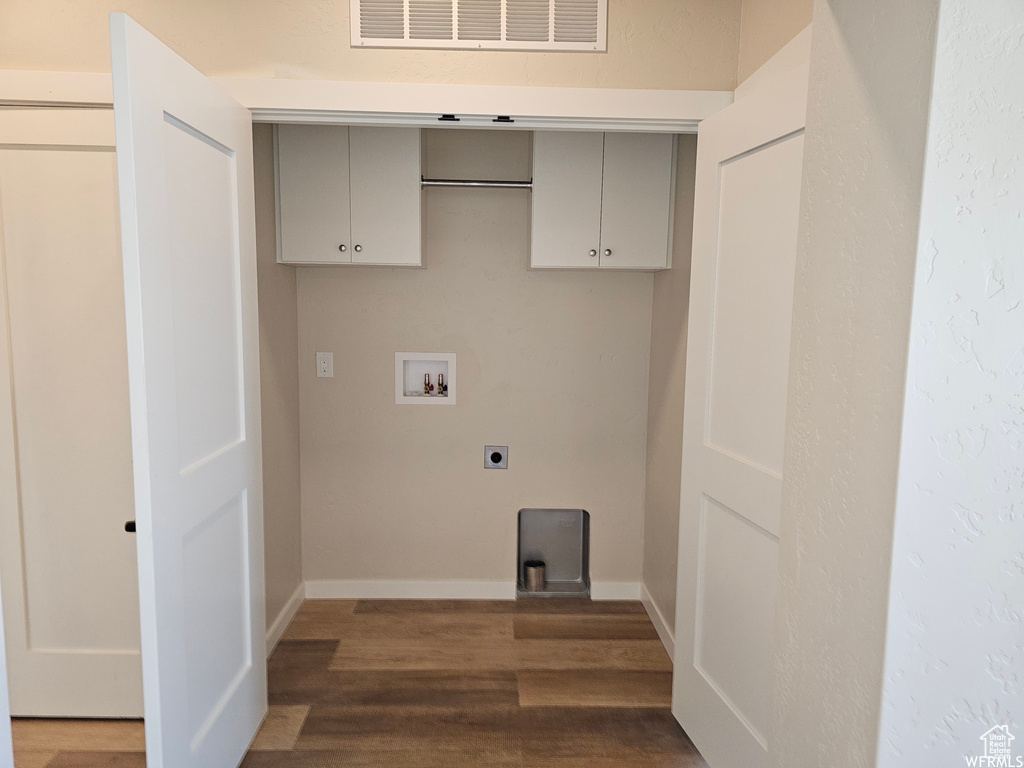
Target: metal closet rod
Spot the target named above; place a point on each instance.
(476, 183)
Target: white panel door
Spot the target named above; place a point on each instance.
(188, 229)
(636, 201)
(566, 222)
(749, 163)
(312, 194)
(385, 191)
(71, 602)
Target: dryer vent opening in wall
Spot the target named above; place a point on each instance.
(556, 542)
(517, 25)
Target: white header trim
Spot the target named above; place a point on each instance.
(416, 104)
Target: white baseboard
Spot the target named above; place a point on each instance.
(276, 630)
(667, 636)
(615, 590)
(342, 589)
(345, 589)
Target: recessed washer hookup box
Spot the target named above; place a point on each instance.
(561, 539)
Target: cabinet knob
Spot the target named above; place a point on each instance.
(607, 251)
(359, 248)
(342, 248)
(593, 252)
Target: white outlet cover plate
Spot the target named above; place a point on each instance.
(325, 365)
(488, 450)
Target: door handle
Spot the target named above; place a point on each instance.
(129, 527)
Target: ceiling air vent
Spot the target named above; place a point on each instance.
(525, 25)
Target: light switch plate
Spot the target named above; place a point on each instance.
(325, 365)
(495, 457)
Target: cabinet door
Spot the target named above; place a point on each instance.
(636, 206)
(313, 194)
(566, 226)
(385, 171)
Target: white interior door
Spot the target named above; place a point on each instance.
(749, 162)
(71, 601)
(184, 156)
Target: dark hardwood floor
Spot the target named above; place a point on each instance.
(452, 683)
(431, 683)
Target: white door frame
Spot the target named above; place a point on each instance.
(392, 104)
(411, 104)
(6, 747)
(275, 100)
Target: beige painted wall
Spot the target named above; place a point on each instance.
(665, 398)
(766, 26)
(687, 44)
(857, 249)
(552, 363)
(279, 391)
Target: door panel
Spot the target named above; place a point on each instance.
(735, 610)
(753, 302)
(69, 569)
(205, 302)
(313, 194)
(636, 204)
(385, 194)
(185, 171)
(746, 216)
(566, 222)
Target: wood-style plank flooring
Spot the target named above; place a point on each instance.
(438, 683)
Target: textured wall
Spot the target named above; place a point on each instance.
(860, 209)
(279, 391)
(766, 26)
(688, 44)
(955, 655)
(551, 363)
(665, 398)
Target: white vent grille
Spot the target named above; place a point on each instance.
(430, 19)
(528, 20)
(380, 19)
(575, 21)
(530, 25)
(479, 19)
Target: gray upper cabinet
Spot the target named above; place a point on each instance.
(566, 226)
(602, 200)
(348, 195)
(636, 200)
(313, 195)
